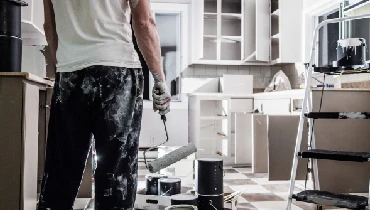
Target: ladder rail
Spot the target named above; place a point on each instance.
(306, 97)
(311, 134)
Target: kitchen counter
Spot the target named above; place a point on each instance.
(295, 94)
(29, 77)
(223, 95)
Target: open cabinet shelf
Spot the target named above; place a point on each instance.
(224, 33)
(209, 121)
(231, 16)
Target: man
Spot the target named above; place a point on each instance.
(98, 90)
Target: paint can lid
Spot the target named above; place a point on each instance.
(169, 180)
(18, 2)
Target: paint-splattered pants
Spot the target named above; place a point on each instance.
(105, 102)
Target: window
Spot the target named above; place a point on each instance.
(331, 33)
(328, 37)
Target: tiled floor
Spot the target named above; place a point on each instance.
(260, 194)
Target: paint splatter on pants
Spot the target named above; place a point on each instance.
(105, 102)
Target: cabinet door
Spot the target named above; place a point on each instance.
(249, 29)
(256, 30)
(290, 34)
(262, 30)
(197, 29)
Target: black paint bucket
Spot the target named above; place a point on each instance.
(152, 183)
(10, 54)
(211, 202)
(169, 186)
(209, 176)
(351, 52)
(182, 207)
(10, 17)
(10, 35)
(184, 199)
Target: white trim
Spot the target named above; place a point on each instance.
(310, 22)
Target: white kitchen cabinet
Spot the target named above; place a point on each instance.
(231, 32)
(218, 130)
(286, 31)
(32, 23)
(279, 103)
(209, 121)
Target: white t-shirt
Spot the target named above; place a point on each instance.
(94, 32)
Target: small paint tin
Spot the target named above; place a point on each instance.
(184, 199)
(169, 186)
(152, 183)
(181, 207)
(211, 202)
(209, 176)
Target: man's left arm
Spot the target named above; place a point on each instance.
(50, 29)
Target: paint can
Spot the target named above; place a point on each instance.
(181, 207)
(211, 202)
(152, 183)
(169, 186)
(184, 199)
(10, 35)
(209, 176)
(351, 52)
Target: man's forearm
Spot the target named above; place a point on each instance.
(52, 40)
(50, 29)
(148, 41)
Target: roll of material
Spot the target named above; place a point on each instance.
(171, 158)
(351, 52)
(152, 183)
(10, 54)
(209, 176)
(181, 207)
(211, 202)
(184, 199)
(169, 186)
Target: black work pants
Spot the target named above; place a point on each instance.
(105, 102)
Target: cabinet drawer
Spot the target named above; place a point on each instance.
(241, 105)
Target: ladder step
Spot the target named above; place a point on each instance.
(329, 199)
(336, 155)
(338, 115)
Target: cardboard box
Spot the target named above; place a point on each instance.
(155, 202)
(152, 202)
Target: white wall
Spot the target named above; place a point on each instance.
(153, 133)
(33, 61)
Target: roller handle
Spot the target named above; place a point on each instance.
(164, 119)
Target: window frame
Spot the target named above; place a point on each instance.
(311, 20)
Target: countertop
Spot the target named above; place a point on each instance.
(343, 89)
(28, 76)
(223, 95)
(291, 94)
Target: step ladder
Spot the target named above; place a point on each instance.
(322, 198)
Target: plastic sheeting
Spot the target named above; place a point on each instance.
(279, 82)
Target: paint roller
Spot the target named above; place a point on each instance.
(170, 158)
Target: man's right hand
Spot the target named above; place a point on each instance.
(161, 98)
